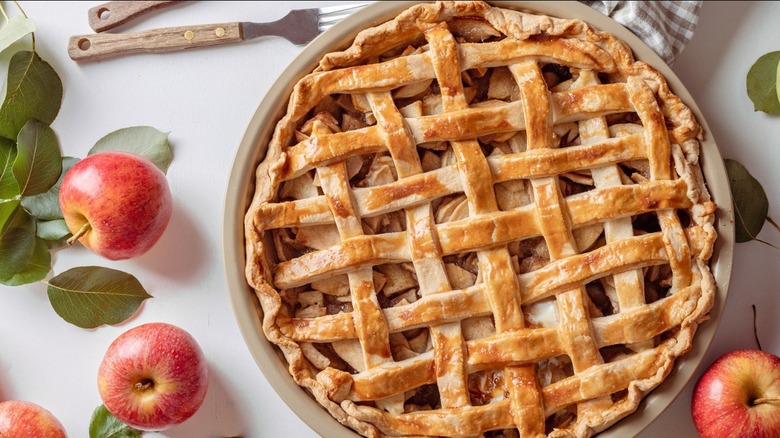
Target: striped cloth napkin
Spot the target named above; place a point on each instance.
(665, 26)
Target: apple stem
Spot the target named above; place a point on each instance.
(755, 329)
(769, 219)
(82, 231)
(761, 400)
(144, 384)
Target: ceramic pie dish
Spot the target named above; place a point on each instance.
(478, 220)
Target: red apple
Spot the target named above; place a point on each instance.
(21, 419)
(117, 204)
(153, 377)
(739, 396)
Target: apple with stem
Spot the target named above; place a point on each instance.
(739, 395)
(153, 377)
(117, 204)
(22, 419)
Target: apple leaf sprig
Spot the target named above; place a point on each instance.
(31, 171)
(104, 424)
(751, 206)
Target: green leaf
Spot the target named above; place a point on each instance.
(35, 269)
(91, 296)
(8, 186)
(7, 207)
(38, 163)
(16, 28)
(34, 91)
(46, 206)
(55, 233)
(104, 425)
(762, 83)
(751, 205)
(17, 241)
(777, 81)
(52, 230)
(141, 140)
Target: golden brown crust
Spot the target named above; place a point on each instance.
(449, 259)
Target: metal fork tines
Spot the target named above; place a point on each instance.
(300, 26)
(330, 15)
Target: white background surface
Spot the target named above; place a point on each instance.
(205, 98)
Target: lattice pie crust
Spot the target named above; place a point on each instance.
(476, 221)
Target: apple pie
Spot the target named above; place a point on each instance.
(476, 221)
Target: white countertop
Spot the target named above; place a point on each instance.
(205, 98)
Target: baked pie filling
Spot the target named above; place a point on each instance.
(479, 221)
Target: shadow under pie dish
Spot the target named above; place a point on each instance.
(475, 220)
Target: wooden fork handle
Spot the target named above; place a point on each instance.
(169, 39)
(112, 14)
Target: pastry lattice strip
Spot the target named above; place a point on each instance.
(425, 256)
(483, 231)
(373, 336)
(647, 250)
(495, 264)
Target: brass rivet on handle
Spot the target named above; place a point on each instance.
(189, 35)
(220, 31)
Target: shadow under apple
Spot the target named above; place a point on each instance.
(4, 383)
(181, 252)
(219, 416)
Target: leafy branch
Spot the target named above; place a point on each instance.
(751, 206)
(32, 169)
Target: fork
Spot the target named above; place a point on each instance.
(299, 26)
